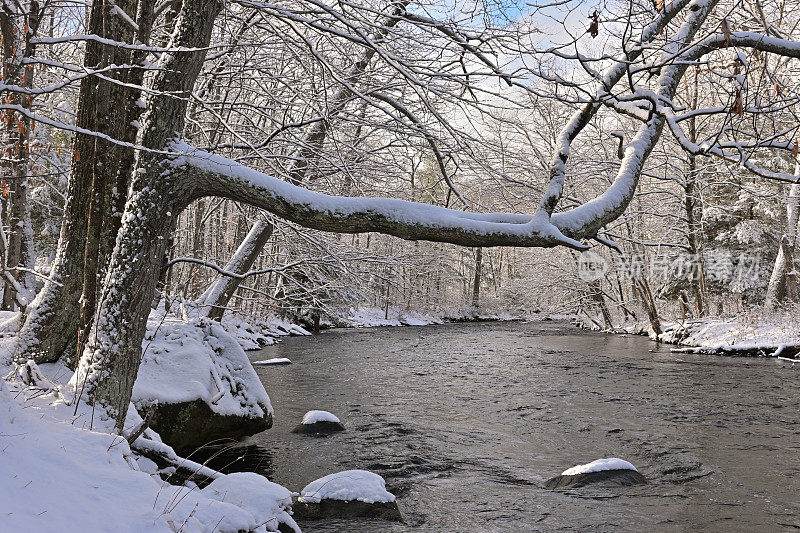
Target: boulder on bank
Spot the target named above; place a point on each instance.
(201, 384)
(348, 494)
(610, 471)
(319, 423)
(188, 425)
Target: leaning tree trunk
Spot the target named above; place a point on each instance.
(218, 295)
(304, 157)
(642, 288)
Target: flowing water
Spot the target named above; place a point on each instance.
(465, 422)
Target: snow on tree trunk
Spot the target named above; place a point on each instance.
(783, 280)
(96, 190)
(109, 364)
(216, 298)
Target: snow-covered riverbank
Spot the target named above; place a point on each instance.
(368, 317)
(64, 469)
(773, 334)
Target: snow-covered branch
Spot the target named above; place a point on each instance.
(205, 174)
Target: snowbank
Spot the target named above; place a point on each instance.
(350, 485)
(312, 417)
(267, 501)
(367, 317)
(255, 334)
(770, 334)
(57, 476)
(599, 465)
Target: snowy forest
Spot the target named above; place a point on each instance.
(186, 184)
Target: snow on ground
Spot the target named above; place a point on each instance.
(739, 333)
(312, 417)
(267, 501)
(274, 361)
(183, 362)
(255, 334)
(367, 317)
(347, 486)
(771, 332)
(599, 465)
(58, 475)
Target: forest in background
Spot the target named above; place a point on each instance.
(143, 142)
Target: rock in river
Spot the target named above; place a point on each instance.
(610, 471)
(352, 493)
(319, 423)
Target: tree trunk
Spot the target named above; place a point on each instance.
(642, 288)
(782, 282)
(96, 189)
(20, 284)
(17, 29)
(110, 362)
(596, 293)
(476, 281)
(216, 298)
(694, 214)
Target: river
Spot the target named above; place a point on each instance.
(465, 421)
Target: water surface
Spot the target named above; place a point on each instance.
(465, 421)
